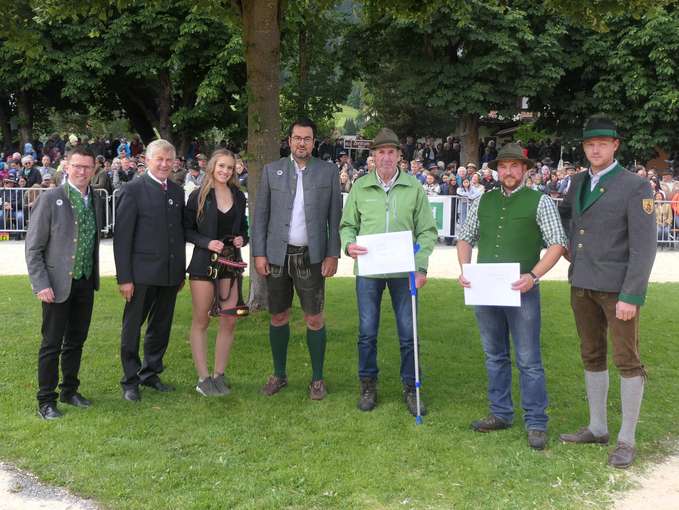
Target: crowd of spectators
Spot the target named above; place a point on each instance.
(436, 164)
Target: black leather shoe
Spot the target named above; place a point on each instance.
(49, 411)
(76, 400)
(157, 385)
(132, 394)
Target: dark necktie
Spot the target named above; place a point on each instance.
(163, 185)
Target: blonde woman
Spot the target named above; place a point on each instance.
(215, 222)
(663, 217)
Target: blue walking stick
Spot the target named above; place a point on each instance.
(413, 300)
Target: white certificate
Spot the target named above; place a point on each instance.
(387, 253)
(491, 284)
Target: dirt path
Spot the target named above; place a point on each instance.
(658, 488)
(23, 491)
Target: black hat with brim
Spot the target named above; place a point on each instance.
(513, 152)
(600, 126)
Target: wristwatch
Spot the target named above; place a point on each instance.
(536, 280)
(423, 271)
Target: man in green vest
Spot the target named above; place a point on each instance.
(512, 224)
(62, 257)
(609, 213)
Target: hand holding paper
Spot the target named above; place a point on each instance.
(385, 253)
(491, 284)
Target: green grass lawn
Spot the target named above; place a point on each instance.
(183, 451)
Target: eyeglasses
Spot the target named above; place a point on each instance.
(299, 139)
(83, 168)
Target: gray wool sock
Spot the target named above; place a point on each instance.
(631, 394)
(597, 397)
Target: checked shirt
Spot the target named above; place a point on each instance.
(547, 218)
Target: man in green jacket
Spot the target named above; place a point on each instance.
(387, 200)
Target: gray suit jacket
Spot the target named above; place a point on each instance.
(51, 243)
(273, 210)
(613, 236)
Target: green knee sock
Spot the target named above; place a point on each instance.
(279, 336)
(315, 340)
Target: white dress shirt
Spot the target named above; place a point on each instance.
(297, 235)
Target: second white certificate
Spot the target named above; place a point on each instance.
(491, 284)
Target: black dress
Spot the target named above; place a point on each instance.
(213, 224)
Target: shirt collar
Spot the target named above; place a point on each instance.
(156, 179)
(390, 183)
(78, 191)
(600, 174)
(297, 167)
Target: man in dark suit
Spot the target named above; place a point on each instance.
(295, 242)
(62, 255)
(148, 246)
(609, 216)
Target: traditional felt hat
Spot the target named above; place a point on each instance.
(599, 126)
(385, 137)
(511, 151)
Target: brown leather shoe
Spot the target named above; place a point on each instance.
(490, 423)
(317, 390)
(584, 436)
(274, 385)
(623, 456)
(537, 439)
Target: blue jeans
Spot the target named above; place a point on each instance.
(496, 323)
(369, 297)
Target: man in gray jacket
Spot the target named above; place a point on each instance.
(295, 243)
(609, 216)
(62, 255)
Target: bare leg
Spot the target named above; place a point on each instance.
(227, 325)
(202, 293)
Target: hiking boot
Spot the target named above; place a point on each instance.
(537, 439)
(622, 457)
(410, 398)
(206, 387)
(490, 423)
(584, 436)
(274, 385)
(317, 390)
(368, 399)
(221, 384)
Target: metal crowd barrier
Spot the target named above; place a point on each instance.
(450, 211)
(16, 205)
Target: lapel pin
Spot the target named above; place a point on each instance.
(601, 190)
(170, 201)
(279, 172)
(60, 201)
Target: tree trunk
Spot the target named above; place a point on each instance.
(140, 117)
(182, 142)
(303, 54)
(468, 131)
(262, 38)
(25, 114)
(165, 107)
(5, 125)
